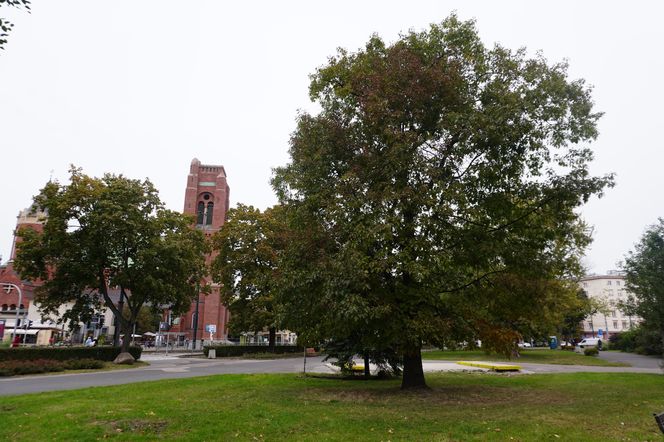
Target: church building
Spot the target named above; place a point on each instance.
(207, 199)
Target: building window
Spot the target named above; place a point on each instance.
(615, 324)
(21, 307)
(4, 307)
(208, 218)
(585, 284)
(12, 307)
(199, 212)
(617, 282)
(613, 314)
(608, 282)
(624, 324)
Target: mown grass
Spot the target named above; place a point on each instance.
(539, 356)
(579, 406)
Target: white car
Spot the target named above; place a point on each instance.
(524, 345)
(588, 342)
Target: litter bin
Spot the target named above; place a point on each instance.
(553, 342)
(212, 353)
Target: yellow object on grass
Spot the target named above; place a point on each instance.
(491, 366)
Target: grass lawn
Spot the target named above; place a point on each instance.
(578, 406)
(540, 356)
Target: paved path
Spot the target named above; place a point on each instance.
(639, 361)
(164, 366)
(161, 367)
(171, 366)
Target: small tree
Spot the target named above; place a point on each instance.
(644, 267)
(110, 232)
(246, 266)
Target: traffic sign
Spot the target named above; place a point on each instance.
(211, 328)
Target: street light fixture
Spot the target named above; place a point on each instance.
(8, 288)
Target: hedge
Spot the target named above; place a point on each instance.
(18, 367)
(101, 353)
(239, 350)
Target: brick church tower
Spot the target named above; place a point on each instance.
(207, 200)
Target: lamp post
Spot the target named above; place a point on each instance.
(198, 300)
(8, 288)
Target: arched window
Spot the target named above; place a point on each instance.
(12, 307)
(208, 219)
(21, 307)
(4, 307)
(199, 212)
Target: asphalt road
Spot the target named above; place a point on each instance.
(173, 367)
(161, 367)
(638, 361)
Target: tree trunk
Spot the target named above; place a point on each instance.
(413, 374)
(118, 320)
(273, 338)
(367, 372)
(127, 330)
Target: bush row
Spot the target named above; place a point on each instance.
(65, 353)
(641, 339)
(239, 350)
(16, 367)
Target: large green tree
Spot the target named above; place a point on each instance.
(644, 267)
(110, 232)
(246, 266)
(435, 169)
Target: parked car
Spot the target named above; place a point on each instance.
(524, 345)
(588, 342)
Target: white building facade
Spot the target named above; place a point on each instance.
(610, 290)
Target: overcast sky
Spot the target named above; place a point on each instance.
(142, 87)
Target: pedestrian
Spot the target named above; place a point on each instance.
(88, 342)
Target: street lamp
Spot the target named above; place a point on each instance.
(8, 288)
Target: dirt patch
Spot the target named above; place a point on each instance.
(141, 426)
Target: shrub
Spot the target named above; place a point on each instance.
(590, 351)
(64, 353)
(83, 364)
(15, 367)
(34, 366)
(641, 339)
(224, 351)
